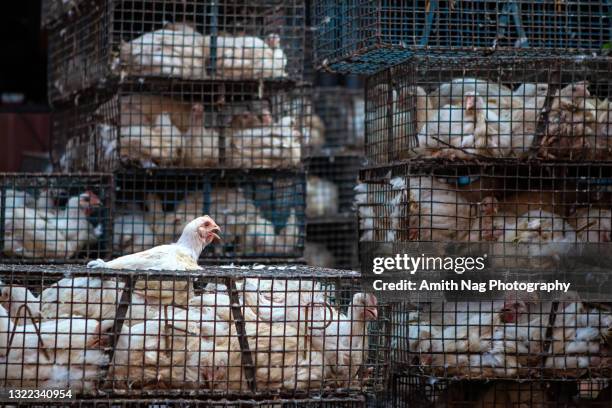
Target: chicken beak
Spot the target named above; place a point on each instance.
(94, 200)
(371, 313)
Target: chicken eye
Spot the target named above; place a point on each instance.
(86, 199)
(207, 224)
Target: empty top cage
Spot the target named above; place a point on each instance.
(48, 218)
(261, 215)
(489, 108)
(523, 216)
(220, 332)
(191, 40)
(364, 36)
(184, 125)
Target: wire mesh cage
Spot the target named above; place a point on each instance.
(261, 216)
(193, 40)
(54, 10)
(219, 332)
(50, 218)
(197, 403)
(514, 335)
(364, 36)
(522, 216)
(337, 120)
(479, 109)
(417, 391)
(184, 125)
(331, 243)
(330, 185)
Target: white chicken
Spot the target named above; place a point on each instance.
(66, 355)
(160, 144)
(592, 225)
(200, 142)
(435, 210)
(247, 58)
(245, 227)
(571, 129)
(94, 298)
(266, 144)
(321, 197)
(180, 256)
(177, 50)
(132, 233)
(462, 131)
(15, 299)
(343, 338)
(180, 349)
(59, 236)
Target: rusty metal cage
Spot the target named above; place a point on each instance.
(53, 218)
(522, 215)
(279, 332)
(337, 120)
(332, 243)
(364, 36)
(419, 391)
(193, 40)
(261, 214)
(479, 109)
(331, 184)
(184, 125)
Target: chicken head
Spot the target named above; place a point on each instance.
(88, 201)
(207, 230)
(364, 307)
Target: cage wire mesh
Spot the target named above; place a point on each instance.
(192, 40)
(418, 391)
(331, 243)
(514, 335)
(364, 36)
(331, 184)
(184, 125)
(52, 11)
(52, 218)
(479, 109)
(261, 215)
(348, 402)
(522, 216)
(224, 332)
(337, 120)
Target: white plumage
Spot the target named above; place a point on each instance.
(321, 197)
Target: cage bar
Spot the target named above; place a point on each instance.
(309, 332)
(331, 243)
(194, 40)
(261, 215)
(365, 36)
(523, 215)
(417, 391)
(53, 218)
(490, 108)
(183, 125)
(52, 11)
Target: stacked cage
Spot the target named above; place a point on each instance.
(505, 161)
(217, 336)
(334, 158)
(488, 151)
(194, 108)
